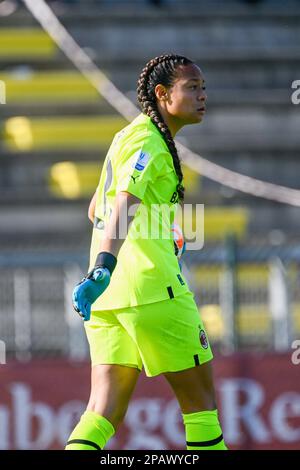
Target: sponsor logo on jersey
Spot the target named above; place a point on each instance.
(175, 198)
(141, 162)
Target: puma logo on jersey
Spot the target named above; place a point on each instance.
(134, 178)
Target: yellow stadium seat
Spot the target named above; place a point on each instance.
(295, 311)
(213, 223)
(253, 273)
(18, 133)
(26, 43)
(213, 321)
(61, 133)
(31, 87)
(219, 221)
(193, 180)
(207, 274)
(254, 319)
(71, 180)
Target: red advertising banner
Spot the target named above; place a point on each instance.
(258, 398)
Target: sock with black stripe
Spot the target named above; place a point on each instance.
(203, 431)
(91, 433)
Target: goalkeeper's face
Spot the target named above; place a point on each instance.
(185, 100)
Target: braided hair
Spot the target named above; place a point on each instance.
(161, 70)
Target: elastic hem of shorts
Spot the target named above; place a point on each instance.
(132, 366)
(178, 370)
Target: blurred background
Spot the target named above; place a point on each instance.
(55, 130)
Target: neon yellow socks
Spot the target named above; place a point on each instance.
(91, 433)
(203, 431)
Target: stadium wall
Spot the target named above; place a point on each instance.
(258, 397)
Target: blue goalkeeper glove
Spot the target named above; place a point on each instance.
(93, 284)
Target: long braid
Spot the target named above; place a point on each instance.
(161, 69)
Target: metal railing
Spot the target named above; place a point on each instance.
(36, 314)
(244, 304)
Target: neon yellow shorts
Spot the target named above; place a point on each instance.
(166, 336)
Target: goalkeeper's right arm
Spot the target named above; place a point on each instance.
(97, 280)
(92, 206)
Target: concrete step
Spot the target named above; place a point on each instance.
(107, 56)
(197, 39)
(246, 127)
(30, 171)
(138, 10)
(249, 74)
(52, 109)
(218, 99)
(50, 221)
(238, 143)
(32, 179)
(53, 228)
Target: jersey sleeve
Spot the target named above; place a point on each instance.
(139, 167)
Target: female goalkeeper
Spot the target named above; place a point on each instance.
(143, 313)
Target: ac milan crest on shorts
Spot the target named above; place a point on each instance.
(203, 339)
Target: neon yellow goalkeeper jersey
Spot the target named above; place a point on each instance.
(147, 270)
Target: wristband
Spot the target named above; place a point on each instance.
(106, 260)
